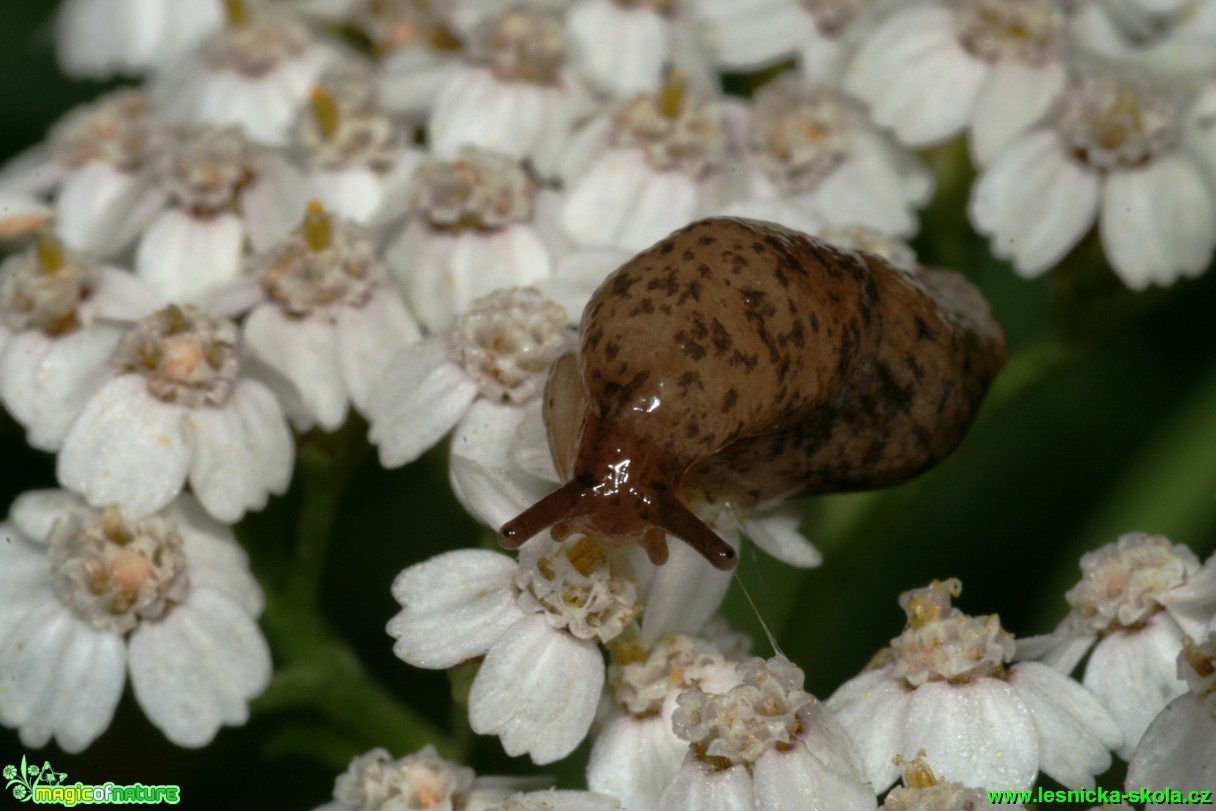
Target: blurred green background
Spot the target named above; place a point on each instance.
(1105, 422)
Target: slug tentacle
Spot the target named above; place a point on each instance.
(557, 506)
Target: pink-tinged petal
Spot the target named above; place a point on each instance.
(979, 733)
(634, 759)
(1013, 99)
(35, 512)
(127, 448)
(304, 350)
(45, 383)
(60, 677)
(183, 257)
(1076, 733)
(423, 395)
(1134, 675)
(1176, 749)
(1159, 221)
(1035, 202)
(454, 607)
(369, 338)
(101, 209)
(21, 214)
(198, 668)
(872, 707)
(537, 690)
(916, 76)
(700, 787)
(800, 778)
(686, 590)
(243, 452)
(215, 559)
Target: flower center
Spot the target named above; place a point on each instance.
(254, 45)
(1197, 664)
(423, 780)
(675, 130)
(833, 16)
(113, 573)
(521, 45)
(763, 713)
(995, 30)
(206, 168)
(1124, 583)
(576, 591)
(479, 190)
(922, 791)
(118, 130)
(641, 678)
(42, 287)
(344, 127)
(942, 643)
(324, 264)
(187, 356)
(799, 133)
(657, 6)
(1117, 121)
(508, 340)
(390, 25)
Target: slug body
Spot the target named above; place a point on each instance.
(737, 362)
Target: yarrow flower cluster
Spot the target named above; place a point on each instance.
(303, 222)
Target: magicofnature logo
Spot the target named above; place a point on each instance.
(43, 785)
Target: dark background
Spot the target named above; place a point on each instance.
(1118, 434)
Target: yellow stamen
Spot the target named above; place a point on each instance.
(585, 555)
(238, 14)
(316, 226)
(50, 253)
(671, 97)
(324, 111)
(917, 773)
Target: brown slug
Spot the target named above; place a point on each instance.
(739, 362)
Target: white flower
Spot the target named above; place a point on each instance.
(652, 166)
(813, 159)
(358, 157)
(1136, 600)
(176, 406)
(376, 782)
(944, 688)
(922, 791)
(636, 753)
(330, 320)
(514, 95)
(53, 356)
(1176, 750)
(418, 46)
(88, 595)
(930, 70)
(98, 38)
(499, 350)
(255, 74)
(477, 224)
(535, 622)
(765, 744)
(93, 164)
(1113, 148)
(219, 190)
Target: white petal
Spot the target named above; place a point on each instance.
(126, 448)
(537, 690)
(579, 275)
(21, 214)
(1158, 221)
(274, 203)
(36, 511)
(60, 677)
(872, 708)
(422, 395)
(198, 668)
(121, 296)
(868, 189)
(916, 76)
(493, 497)
(45, 383)
(368, 340)
(354, 193)
(621, 50)
(686, 590)
(215, 559)
(100, 209)
(1133, 674)
(1014, 97)
(634, 759)
(800, 779)
(183, 257)
(979, 734)
(1035, 202)
(1075, 732)
(1062, 649)
(698, 787)
(776, 532)
(1176, 749)
(243, 451)
(748, 36)
(454, 607)
(305, 351)
(25, 572)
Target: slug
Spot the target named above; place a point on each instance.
(738, 362)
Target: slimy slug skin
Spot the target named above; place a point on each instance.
(738, 362)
